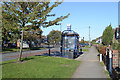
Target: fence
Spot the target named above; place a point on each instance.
(111, 60)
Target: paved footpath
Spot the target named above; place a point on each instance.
(90, 66)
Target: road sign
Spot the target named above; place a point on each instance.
(68, 27)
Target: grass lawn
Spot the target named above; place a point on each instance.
(17, 50)
(40, 67)
(84, 49)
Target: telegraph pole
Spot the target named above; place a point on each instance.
(83, 40)
(89, 37)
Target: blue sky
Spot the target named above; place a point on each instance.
(97, 15)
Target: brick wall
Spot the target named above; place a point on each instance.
(115, 59)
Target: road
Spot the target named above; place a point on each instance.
(90, 66)
(14, 55)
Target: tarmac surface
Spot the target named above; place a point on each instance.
(14, 55)
(90, 66)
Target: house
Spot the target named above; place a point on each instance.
(117, 33)
(44, 39)
(99, 40)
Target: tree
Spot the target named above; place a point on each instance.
(82, 41)
(107, 36)
(54, 36)
(36, 13)
(33, 36)
(10, 31)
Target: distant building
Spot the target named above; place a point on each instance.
(99, 40)
(44, 39)
(79, 39)
(117, 33)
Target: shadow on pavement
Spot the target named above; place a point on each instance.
(80, 53)
(54, 53)
(26, 59)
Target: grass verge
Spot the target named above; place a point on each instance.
(84, 49)
(40, 67)
(106, 71)
(6, 50)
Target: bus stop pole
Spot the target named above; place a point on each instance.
(61, 50)
(48, 45)
(49, 48)
(61, 45)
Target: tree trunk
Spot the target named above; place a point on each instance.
(21, 46)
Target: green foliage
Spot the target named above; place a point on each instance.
(93, 41)
(115, 46)
(33, 35)
(6, 50)
(15, 16)
(107, 36)
(81, 41)
(54, 36)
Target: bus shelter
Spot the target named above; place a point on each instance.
(69, 44)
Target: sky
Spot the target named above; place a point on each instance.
(97, 15)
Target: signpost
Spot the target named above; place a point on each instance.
(68, 27)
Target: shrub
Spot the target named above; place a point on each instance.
(107, 36)
(103, 50)
(115, 46)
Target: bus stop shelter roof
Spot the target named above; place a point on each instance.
(69, 33)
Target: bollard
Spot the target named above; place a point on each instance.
(100, 57)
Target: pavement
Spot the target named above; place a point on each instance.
(90, 66)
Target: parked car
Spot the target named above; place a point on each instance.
(12, 45)
(86, 44)
(82, 45)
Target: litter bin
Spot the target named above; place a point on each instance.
(71, 54)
